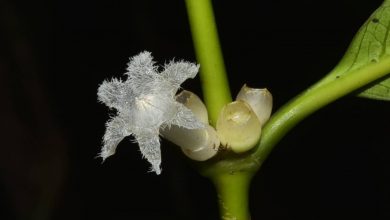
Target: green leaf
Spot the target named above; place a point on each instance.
(380, 26)
(370, 46)
(380, 91)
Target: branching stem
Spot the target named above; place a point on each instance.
(231, 173)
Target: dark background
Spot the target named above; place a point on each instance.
(54, 54)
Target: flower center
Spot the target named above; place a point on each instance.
(144, 102)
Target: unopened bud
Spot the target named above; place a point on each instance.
(238, 127)
(209, 149)
(197, 144)
(260, 100)
(195, 104)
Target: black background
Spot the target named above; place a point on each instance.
(54, 54)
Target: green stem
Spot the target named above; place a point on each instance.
(316, 97)
(233, 191)
(208, 51)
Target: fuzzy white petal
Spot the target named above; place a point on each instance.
(111, 93)
(115, 132)
(149, 144)
(185, 118)
(178, 72)
(141, 64)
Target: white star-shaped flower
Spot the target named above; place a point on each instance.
(145, 103)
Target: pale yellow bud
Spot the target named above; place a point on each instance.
(260, 100)
(238, 127)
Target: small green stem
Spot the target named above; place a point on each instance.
(212, 69)
(316, 97)
(233, 192)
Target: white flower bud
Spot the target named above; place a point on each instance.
(238, 127)
(193, 102)
(198, 144)
(260, 100)
(209, 149)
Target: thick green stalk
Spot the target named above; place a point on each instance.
(233, 191)
(320, 94)
(214, 81)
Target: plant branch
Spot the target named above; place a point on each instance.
(316, 97)
(213, 75)
(233, 191)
